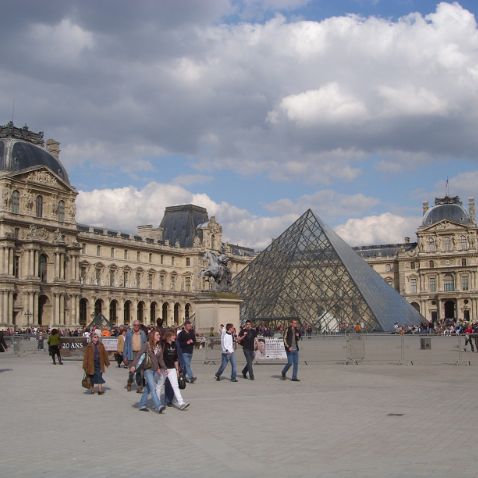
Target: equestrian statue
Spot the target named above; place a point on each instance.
(218, 270)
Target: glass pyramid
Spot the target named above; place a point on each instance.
(311, 274)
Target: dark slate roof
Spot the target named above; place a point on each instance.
(446, 208)
(383, 250)
(17, 155)
(241, 250)
(180, 222)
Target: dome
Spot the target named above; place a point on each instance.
(446, 209)
(16, 155)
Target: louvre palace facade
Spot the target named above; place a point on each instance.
(56, 272)
(438, 273)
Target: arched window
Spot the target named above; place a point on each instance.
(39, 206)
(61, 211)
(15, 202)
(42, 268)
(449, 283)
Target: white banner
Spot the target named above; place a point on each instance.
(270, 349)
(110, 343)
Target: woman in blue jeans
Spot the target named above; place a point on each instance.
(150, 358)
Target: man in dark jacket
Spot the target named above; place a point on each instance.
(187, 339)
(291, 344)
(247, 338)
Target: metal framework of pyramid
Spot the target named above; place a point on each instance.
(309, 273)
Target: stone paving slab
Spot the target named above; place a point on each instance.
(339, 421)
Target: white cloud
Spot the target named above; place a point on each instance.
(324, 105)
(385, 228)
(328, 204)
(63, 42)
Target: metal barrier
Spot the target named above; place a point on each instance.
(321, 349)
(23, 344)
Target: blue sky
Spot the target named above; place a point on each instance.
(255, 109)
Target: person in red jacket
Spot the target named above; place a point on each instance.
(468, 332)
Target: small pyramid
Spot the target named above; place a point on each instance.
(309, 273)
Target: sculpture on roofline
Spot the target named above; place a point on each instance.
(218, 270)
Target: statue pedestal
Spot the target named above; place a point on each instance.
(215, 308)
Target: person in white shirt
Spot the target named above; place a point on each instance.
(228, 354)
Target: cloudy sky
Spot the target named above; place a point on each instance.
(255, 109)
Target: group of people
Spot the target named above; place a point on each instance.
(158, 362)
(248, 338)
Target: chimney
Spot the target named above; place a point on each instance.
(471, 209)
(425, 207)
(53, 147)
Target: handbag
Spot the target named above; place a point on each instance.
(181, 382)
(86, 382)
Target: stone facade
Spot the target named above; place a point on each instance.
(55, 272)
(438, 273)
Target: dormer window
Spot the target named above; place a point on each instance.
(61, 211)
(39, 206)
(15, 202)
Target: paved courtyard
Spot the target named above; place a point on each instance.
(339, 421)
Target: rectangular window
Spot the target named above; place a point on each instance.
(16, 266)
(432, 284)
(98, 250)
(150, 281)
(413, 286)
(162, 259)
(172, 261)
(188, 261)
(447, 244)
(161, 281)
(113, 252)
(125, 254)
(138, 280)
(412, 265)
(112, 278)
(464, 282)
(150, 257)
(463, 262)
(138, 256)
(125, 279)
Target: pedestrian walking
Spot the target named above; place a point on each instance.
(54, 346)
(187, 340)
(170, 356)
(120, 347)
(150, 358)
(95, 361)
(228, 353)
(133, 342)
(291, 344)
(3, 344)
(248, 339)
